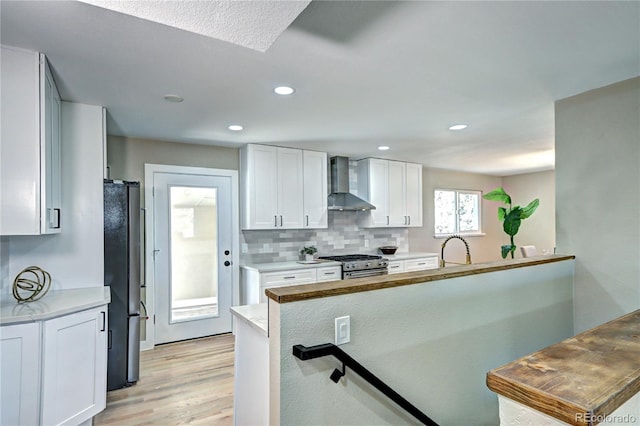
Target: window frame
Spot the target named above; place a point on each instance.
(457, 231)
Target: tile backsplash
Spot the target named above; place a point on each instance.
(343, 236)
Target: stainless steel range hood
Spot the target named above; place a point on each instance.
(340, 197)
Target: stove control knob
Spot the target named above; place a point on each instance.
(383, 263)
(367, 265)
(348, 266)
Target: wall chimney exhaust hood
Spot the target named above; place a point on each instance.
(340, 197)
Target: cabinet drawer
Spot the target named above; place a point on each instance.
(292, 277)
(396, 266)
(329, 273)
(421, 264)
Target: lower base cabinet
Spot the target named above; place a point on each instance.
(410, 265)
(62, 382)
(19, 372)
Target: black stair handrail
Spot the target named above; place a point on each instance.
(305, 353)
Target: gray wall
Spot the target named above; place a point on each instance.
(432, 342)
(126, 156)
(598, 198)
(483, 249)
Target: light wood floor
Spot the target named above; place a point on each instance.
(187, 382)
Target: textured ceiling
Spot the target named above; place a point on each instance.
(366, 74)
(255, 24)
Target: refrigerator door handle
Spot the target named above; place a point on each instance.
(104, 320)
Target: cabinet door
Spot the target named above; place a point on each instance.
(290, 191)
(74, 369)
(50, 172)
(397, 186)
(315, 189)
(379, 191)
(20, 372)
(261, 184)
(395, 266)
(19, 143)
(414, 194)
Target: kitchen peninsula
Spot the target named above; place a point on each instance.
(431, 335)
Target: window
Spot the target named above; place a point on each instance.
(457, 212)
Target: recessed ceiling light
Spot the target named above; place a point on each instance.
(284, 90)
(173, 98)
(236, 127)
(458, 127)
(383, 147)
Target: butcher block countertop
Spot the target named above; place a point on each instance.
(584, 377)
(333, 288)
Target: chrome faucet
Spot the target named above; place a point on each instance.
(442, 262)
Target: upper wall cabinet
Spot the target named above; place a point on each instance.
(30, 160)
(282, 188)
(395, 188)
(315, 189)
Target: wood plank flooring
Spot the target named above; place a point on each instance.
(188, 382)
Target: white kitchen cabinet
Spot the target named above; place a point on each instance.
(20, 372)
(30, 149)
(290, 194)
(412, 265)
(329, 273)
(395, 188)
(315, 189)
(413, 197)
(395, 266)
(272, 183)
(421, 264)
(74, 367)
(255, 279)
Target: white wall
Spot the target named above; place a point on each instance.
(75, 257)
(598, 198)
(432, 342)
(539, 229)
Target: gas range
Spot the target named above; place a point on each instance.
(360, 265)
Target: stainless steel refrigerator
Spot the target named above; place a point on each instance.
(122, 274)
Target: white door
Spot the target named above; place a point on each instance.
(192, 255)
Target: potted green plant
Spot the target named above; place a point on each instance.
(511, 216)
(308, 252)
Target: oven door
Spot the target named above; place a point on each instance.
(364, 273)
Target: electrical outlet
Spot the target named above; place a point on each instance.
(366, 243)
(343, 330)
(245, 248)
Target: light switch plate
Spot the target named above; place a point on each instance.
(343, 330)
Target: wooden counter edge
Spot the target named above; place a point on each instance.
(541, 401)
(296, 293)
(558, 407)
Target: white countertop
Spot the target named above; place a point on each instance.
(257, 316)
(54, 304)
(284, 266)
(409, 255)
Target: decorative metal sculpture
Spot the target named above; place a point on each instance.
(31, 284)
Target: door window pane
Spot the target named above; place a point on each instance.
(194, 253)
